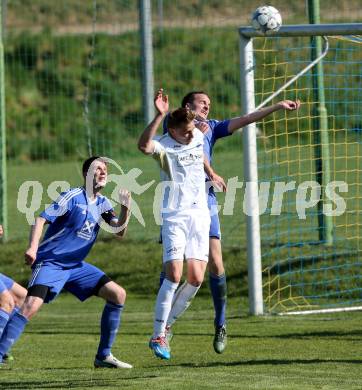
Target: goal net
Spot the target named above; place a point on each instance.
(310, 187)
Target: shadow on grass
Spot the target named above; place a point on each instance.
(91, 333)
(301, 335)
(146, 334)
(69, 383)
(272, 362)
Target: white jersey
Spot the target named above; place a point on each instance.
(182, 171)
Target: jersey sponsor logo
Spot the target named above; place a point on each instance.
(176, 146)
(189, 159)
(86, 231)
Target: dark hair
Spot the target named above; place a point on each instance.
(179, 117)
(87, 163)
(189, 98)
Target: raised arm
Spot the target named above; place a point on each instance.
(145, 143)
(35, 235)
(122, 222)
(241, 121)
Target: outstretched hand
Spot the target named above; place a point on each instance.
(124, 197)
(290, 105)
(161, 102)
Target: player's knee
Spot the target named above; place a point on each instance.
(216, 268)
(121, 295)
(19, 295)
(7, 302)
(174, 277)
(118, 295)
(195, 280)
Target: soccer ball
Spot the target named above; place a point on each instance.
(266, 19)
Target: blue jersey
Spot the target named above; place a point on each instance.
(5, 283)
(74, 224)
(217, 129)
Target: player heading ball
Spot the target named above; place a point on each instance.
(186, 218)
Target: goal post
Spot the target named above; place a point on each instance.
(251, 176)
(3, 174)
(270, 261)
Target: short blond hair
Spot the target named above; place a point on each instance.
(180, 116)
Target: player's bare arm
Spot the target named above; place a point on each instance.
(124, 197)
(239, 122)
(35, 235)
(217, 180)
(145, 143)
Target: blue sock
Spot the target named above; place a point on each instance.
(12, 332)
(111, 318)
(15, 310)
(4, 318)
(162, 277)
(218, 291)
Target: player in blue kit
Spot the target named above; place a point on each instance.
(12, 296)
(58, 261)
(199, 102)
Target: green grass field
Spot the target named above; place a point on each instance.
(285, 239)
(314, 352)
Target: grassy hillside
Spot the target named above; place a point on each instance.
(23, 14)
(64, 93)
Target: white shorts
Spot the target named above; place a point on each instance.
(186, 235)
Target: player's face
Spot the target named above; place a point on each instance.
(183, 134)
(100, 174)
(201, 106)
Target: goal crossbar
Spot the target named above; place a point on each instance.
(306, 30)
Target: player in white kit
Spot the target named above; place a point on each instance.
(186, 219)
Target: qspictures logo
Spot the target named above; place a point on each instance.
(273, 197)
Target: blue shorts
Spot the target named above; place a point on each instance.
(80, 280)
(5, 283)
(215, 231)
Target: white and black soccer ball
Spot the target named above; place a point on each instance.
(266, 19)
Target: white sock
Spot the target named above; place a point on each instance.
(181, 301)
(163, 307)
